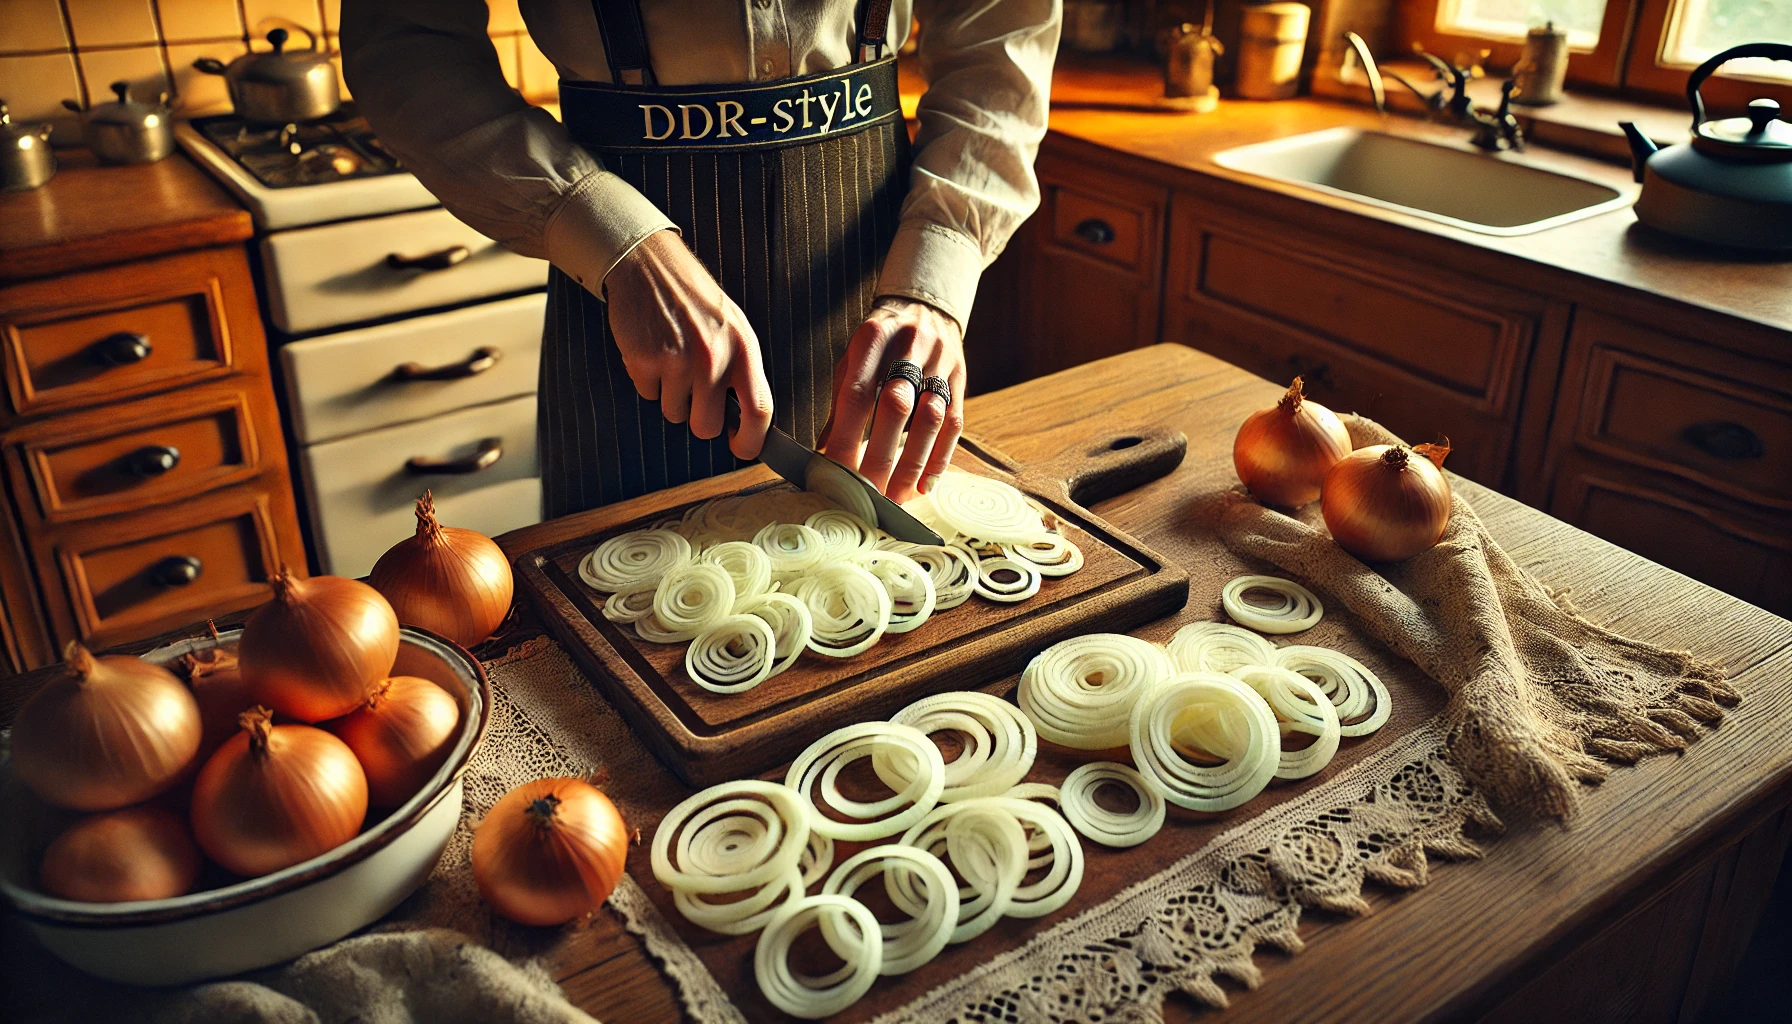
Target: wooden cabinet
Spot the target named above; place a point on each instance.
(1426, 352)
(145, 472)
(1680, 451)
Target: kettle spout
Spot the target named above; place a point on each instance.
(1641, 149)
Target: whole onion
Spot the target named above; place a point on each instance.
(275, 795)
(550, 851)
(401, 736)
(317, 648)
(1383, 505)
(139, 853)
(447, 580)
(112, 731)
(216, 679)
(1283, 453)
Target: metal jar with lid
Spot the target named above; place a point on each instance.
(25, 158)
(1271, 41)
(123, 132)
(280, 86)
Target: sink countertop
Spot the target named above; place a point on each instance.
(1107, 103)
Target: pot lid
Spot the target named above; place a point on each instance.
(123, 112)
(1760, 135)
(20, 136)
(280, 67)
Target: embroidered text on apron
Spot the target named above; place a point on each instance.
(788, 191)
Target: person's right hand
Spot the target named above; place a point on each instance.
(686, 343)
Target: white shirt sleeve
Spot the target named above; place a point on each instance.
(988, 67)
(425, 74)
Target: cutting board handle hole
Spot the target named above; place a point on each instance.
(1122, 443)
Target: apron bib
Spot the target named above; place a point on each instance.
(788, 191)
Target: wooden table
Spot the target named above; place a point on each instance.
(1638, 910)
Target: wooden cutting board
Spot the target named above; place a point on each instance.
(707, 737)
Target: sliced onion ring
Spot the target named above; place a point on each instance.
(761, 852)
(744, 916)
(807, 998)
(1245, 767)
(843, 534)
(824, 759)
(689, 600)
(849, 609)
(990, 853)
(1024, 585)
(978, 506)
(1299, 609)
(1111, 828)
(746, 563)
(999, 750)
(907, 944)
(1080, 692)
(1218, 647)
(1299, 706)
(734, 655)
(632, 557)
(1359, 695)
(909, 585)
(790, 623)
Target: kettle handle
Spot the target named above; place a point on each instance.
(1773, 51)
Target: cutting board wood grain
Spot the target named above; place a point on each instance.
(707, 737)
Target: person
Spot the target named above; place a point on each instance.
(732, 206)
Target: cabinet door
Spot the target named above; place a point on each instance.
(1422, 351)
(1094, 283)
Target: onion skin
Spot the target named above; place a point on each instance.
(316, 650)
(1383, 505)
(275, 795)
(453, 582)
(216, 679)
(550, 851)
(1283, 453)
(401, 736)
(139, 853)
(111, 732)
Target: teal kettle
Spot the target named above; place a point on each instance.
(1732, 184)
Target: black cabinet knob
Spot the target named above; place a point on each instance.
(1095, 231)
(1722, 439)
(122, 349)
(177, 570)
(153, 460)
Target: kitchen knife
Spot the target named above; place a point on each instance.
(802, 465)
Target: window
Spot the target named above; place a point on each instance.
(1698, 29)
(1510, 19)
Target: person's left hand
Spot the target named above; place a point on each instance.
(898, 328)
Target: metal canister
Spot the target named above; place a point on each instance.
(25, 158)
(1271, 39)
(1538, 75)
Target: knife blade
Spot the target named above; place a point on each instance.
(800, 464)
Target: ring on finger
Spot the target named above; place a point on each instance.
(938, 386)
(908, 370)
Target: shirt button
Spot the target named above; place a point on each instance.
(765, 66)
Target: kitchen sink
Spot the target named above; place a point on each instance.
(1465, 188)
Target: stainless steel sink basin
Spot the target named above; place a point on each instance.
(1494, 195)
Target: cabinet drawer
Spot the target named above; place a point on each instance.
(102, 335)
(132, 576)
(367, 269)
(361, 489)
(1744, 555)
(1109, 217)
(342, 384)
(1102, 229)
(1726, 424)
(145, 453)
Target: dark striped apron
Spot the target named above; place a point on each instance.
(791, 213)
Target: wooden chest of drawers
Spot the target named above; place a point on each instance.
(143, 462)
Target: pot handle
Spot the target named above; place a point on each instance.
(1773, 51)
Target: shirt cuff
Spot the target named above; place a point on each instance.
(934, 264)
(599, 222)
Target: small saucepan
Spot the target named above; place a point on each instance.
(280, 86)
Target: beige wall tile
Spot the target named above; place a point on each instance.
(36, 87)
(139, 65)
(31, 25)
(201, 93)
(304, 12)
(335, 45)
(505, 17)
(111, 22)
(186, 20)
(332, 16)
(539, 78)
(506, 46)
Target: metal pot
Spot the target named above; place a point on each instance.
(1732, 185)
(25, 158)
(123, 132)
(279, 87)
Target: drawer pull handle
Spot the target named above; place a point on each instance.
(490, 451)
(441, 259)
(1317, 374)
(1095, 231)
(480, 361)
(154, 460)
(177, 570)
(1722, 439)
(122, 349)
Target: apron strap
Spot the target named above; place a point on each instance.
(874, 28)
(625, 40)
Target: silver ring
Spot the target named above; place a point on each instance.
(938, 386)
(908, 370)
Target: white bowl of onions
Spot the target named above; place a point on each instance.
(265, 920)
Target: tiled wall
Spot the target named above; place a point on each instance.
(51, 50)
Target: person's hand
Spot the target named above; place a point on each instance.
(686, 343)
(898, 328)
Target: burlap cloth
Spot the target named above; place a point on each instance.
(1532, 698)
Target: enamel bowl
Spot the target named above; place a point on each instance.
(259, 921)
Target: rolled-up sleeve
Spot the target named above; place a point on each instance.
(427, 78)
(988, 65)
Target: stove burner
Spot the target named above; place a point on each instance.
(336, 148)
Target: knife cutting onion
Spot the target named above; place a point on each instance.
(1283, 453)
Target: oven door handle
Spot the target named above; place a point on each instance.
(490, 451)
(482, 359)
(441, 259)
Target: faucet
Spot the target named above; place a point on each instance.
(1493, 132)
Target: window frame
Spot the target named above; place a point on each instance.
(1601, 67)
(1648, 77)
